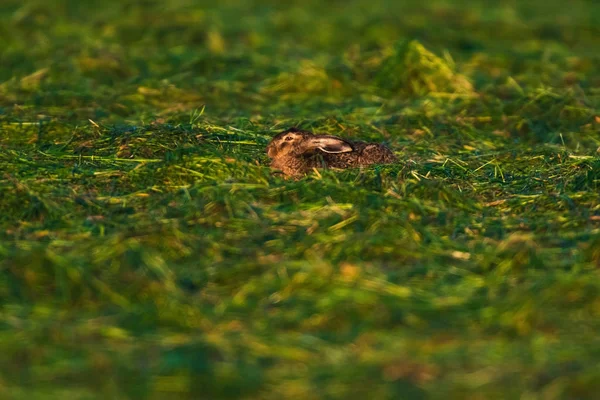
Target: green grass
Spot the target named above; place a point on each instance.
(148, 252)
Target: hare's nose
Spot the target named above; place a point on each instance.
(270, 151)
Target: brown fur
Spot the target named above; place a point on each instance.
(296, 152)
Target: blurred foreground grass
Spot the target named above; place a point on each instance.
(146, 251)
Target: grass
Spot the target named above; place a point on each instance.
(147, 251)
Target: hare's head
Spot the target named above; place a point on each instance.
(294, 142)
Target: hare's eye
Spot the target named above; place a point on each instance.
(289, 138)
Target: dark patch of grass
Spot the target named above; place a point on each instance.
(146, 249)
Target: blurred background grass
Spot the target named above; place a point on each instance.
(147, 251)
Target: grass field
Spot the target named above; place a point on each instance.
(148, 252)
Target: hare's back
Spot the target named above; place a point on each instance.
(374, 153)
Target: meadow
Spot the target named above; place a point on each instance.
(147, 250)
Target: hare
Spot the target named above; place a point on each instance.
(295, 152)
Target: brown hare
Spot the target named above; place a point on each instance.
(295, 152)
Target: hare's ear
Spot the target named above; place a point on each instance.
(329, 144)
